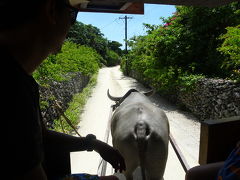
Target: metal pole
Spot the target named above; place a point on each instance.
(126, 27)
(126, 34)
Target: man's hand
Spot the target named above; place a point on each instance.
(110, 155)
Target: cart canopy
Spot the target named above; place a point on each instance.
(137, 6)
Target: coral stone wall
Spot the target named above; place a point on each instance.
(61, 92)
(213, 99)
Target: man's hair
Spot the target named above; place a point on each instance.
(14, 13)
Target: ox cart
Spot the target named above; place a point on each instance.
(214, 146)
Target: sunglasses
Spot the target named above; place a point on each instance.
(73, 13)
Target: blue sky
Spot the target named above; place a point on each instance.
(113, 28)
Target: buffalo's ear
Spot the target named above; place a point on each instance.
(149, 93)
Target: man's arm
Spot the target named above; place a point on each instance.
(64, 142)
(67, 143)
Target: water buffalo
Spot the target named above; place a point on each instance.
(140, 131)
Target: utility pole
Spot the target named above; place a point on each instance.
(126, 18)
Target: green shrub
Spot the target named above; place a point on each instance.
(112, 58)
(72, 58)
(174, 55)
(231, 49)
(91, 36)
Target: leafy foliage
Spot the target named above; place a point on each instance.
(112, 58)
(91, 36)
(72, 58)
(231, 49)
(183, 49)
(115, 46)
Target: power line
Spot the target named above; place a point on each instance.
(108, 24)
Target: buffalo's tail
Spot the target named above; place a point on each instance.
(142, 131)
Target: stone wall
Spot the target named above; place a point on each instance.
(209, 99)
(212, 99)
(61, 92)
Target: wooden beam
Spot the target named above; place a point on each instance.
(217, 139)
(206, 3)
(130, 8)
(125, 6)
(84, 5)
(179, 154)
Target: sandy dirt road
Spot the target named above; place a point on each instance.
(183, 126)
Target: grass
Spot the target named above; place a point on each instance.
(76, 107)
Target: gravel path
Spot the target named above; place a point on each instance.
(183, 126)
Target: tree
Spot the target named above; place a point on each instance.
(115, 46)
(112, 58)
(88, 35)
(185, 48)
(230, 48)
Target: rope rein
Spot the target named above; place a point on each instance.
(61, 112)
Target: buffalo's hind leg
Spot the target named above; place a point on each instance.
(130, 169)
(128, 176)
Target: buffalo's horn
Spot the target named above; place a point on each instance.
(149, 93)
(113, 98)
